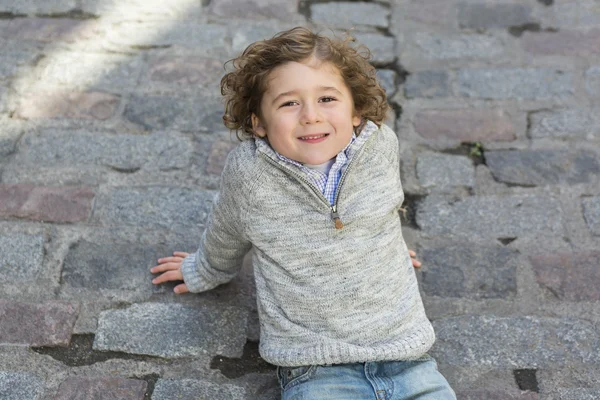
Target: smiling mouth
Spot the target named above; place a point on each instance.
(314, 137)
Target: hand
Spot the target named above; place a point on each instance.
(416, 263)
(171, 271)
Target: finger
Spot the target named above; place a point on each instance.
(416, 263)
(165, 267)
(181, 254)
(168, 276)
(169, 259)
(180, 289)
(412, 253)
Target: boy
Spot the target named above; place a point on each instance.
(315, 190)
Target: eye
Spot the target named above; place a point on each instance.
(288, 104)
(327, 99)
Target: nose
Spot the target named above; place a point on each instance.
(310, 114)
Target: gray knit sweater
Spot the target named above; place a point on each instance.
(324, 295)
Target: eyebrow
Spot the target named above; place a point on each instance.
(291, 92)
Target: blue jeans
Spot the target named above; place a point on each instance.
(384, 380)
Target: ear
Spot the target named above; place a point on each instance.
(356, 120)
(258, 127)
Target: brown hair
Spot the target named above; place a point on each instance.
(244, 87)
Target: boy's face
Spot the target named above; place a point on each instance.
(307, 112)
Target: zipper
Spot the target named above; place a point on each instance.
(332, 207)
(334, 213)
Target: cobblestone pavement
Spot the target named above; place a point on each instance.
(111, 145)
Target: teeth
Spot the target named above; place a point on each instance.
(312, 137)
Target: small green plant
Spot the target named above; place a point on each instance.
(476, 150)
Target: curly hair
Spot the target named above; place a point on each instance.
(244, 87)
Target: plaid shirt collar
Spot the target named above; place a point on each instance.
(326, 182)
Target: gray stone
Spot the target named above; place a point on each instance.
(543, 167)
(191, 389)
(143, 9)
(186, 114)
(173, 330)
(119, 151)
(20, 386)
(21, 257)
(441, 172)
(566, 123)
(387, 80)
(427, 84)
(347, 14)
(577, 14)
(591, 213)
(521, 83)
(9, 134)
(491, 216)
(245, 34)
(37, 7)
(473, 272)
(111, 266)
(164, 207)
(92, 71)
(592, 81)
(101, 388)
(203, 38)
(383, 48)
(13, 58)
(32, 324)
(437, 47)
(259, 9)
(515, 342)
(489, 16)
(578, 394)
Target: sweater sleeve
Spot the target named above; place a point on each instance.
(223, 245)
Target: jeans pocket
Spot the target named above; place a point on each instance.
(292, 376)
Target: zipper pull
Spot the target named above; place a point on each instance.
(336, 218)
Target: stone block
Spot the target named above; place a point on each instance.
(21, 386)
(121, 152)
(10, 133)
(50, 30)
(14, 57)
(465, 125)
(436, 46)
(144, 9)
(111, 266)
(491, 16)
(186, 114)
(347, 14)
(427, 84)
(101, 388)
(441, 172)
(75, 70)
(491, 216)
(564, 43)
(159, 207)
(184, 70)
(592, 81)
(467, 271)
(566, 123)
(173, 330)
(591, 213)
(517, 83)
(570, 277)
(66, 104)
(515, 342)
(495, 394)
(36, 7)
(578, 394)
(218, 155)
(203, 38)
(577, 14)
(46, 203)
(382, 48)
(387, 80)
(49, 324)
(191, 389)
(543, 167)
(255, 9)
(21, 256)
